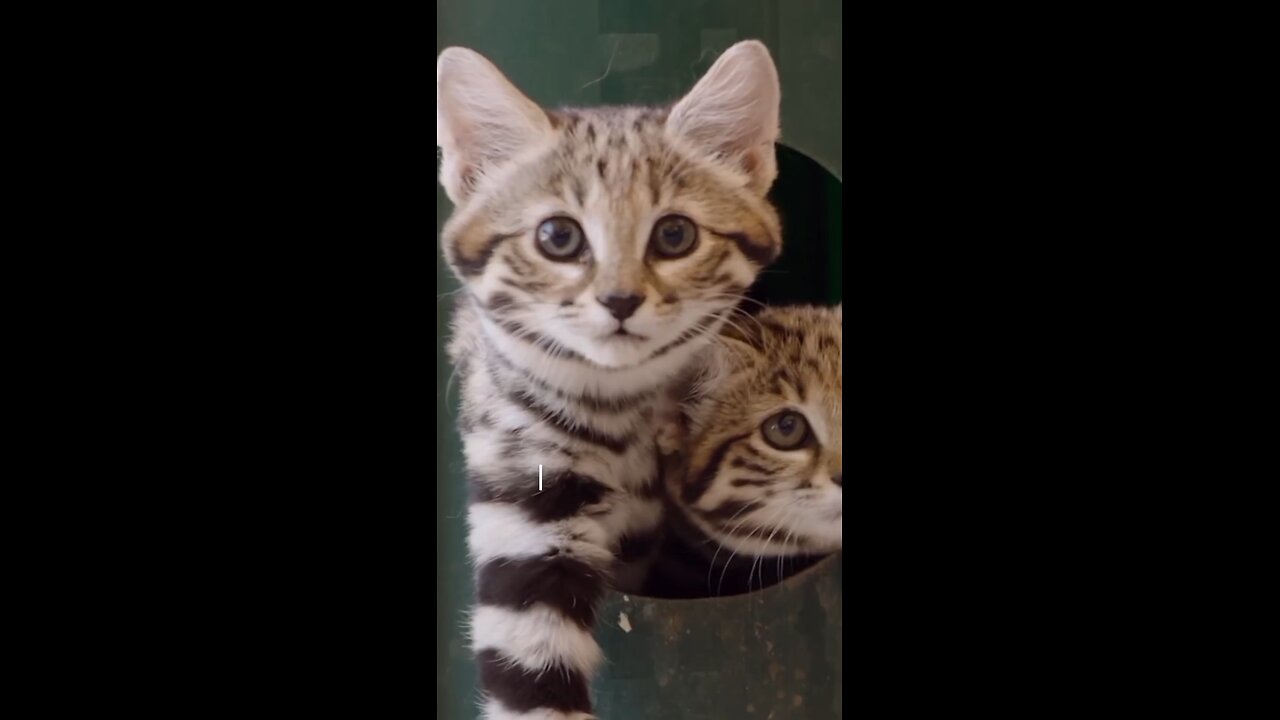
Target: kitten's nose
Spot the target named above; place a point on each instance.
(838, 479)
(621, 305)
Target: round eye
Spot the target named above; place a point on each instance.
(786, 430)
(674, 236)
(560, 239)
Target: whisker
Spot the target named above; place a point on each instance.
(720, 545)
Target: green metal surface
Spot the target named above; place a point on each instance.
(774, 654)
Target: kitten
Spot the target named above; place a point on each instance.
(755, 456)
(600, 251)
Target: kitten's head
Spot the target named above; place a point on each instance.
(618, 234)
(763, 473)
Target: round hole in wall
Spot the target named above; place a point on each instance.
(809, 201)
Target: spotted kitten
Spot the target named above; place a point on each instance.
(600, 250)
(755, 469)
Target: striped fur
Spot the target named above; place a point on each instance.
(734, 492)
(549, 376)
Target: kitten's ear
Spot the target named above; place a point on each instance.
(481, 120)
(734, 111)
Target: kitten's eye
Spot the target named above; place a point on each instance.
(560, 239)
(674, 236)
(786, 431)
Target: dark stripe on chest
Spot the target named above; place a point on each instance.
(576, 431)
(542, 342)
(617, 404)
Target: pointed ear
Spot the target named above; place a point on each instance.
(733, 111)
(481, 120)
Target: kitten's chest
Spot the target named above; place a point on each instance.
(518, 429)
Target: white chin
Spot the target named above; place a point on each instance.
(616, 354)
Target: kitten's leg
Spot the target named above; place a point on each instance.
(542, 566)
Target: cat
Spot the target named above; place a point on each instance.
(599, 251)
(753, 450)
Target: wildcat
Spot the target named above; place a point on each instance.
(754, 456)
(599, 250)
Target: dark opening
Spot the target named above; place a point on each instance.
(810, 202)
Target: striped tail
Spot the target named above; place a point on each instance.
(541, 571)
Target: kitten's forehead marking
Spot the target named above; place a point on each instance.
(608, 169)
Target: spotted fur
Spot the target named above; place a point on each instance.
(733, 494)
(550, 376)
